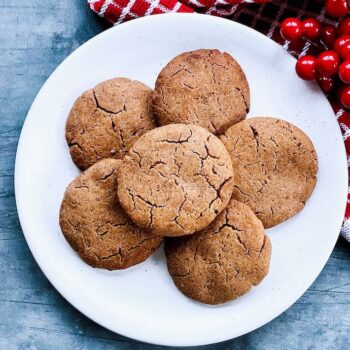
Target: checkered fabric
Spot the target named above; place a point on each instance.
(263, 15)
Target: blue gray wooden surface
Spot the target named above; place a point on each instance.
(35, 36)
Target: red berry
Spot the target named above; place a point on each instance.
(344, 71)
(345, 51)
(328, 62)
(306, 67)
(337, 8)
(344, 27)
(328, 35)
(345, 96)
(311, 28)
(291, 29)
(327, 84)
(340, 42)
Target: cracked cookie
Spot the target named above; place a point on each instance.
(275, 167)
(202, 87)
(106, 120)
(175, 180)
(223, 261)
(95, 225)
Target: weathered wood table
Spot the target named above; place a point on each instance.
(35, 36)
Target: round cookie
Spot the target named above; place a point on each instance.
(202, 87)
(275, 167)
(106, 120)
(95, 225)
(175, 180)
(223, 261)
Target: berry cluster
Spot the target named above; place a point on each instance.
(331, 68)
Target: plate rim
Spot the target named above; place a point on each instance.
(71, 300)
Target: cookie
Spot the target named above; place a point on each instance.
(202, 87)
(175, 180)
(107, 119)
(223, 261)
(95, 225)
(275, 166)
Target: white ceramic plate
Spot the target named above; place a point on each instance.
(142, 302)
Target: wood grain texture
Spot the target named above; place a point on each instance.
(35, 36)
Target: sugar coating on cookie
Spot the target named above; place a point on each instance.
(202, 87)
(275, 166)
(223, 261)
(95, 225)
(175, 180)
(106, 120)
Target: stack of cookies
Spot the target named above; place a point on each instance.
(182, 163)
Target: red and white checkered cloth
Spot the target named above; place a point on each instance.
(263, 15)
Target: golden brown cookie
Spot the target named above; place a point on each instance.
(275, 167)
(202, 87)
(175, 180)
(95, 225)
(223, 261)
(107, 119)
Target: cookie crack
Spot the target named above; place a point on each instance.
(255, 136)
(77, 144)
(241, 242)
(120, 132)
(179, 141)
(188, 86)
(201, 214)
(140, 244)
(209, 154)
(102, 234)
(263, 185)
(155, 164)
(274, 141)
(177, 164)
(107, 257)
(133, 151)
(223, 184)
(117, 225)
(180, 208)
(210, 185)
(164, 104)
(98, 106)
(75, 228)
(150, 204)
(243, 98)
(262, 246)
(105, 177)
(177, 275)
(216, 189)
(86, 242)
(182, 69)
(72, 225)
(237, 271)
(132, 198)
(82, 186)
(213, 169)
(243, 193)
(151, 217)
(213, 73)
(227, 224)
